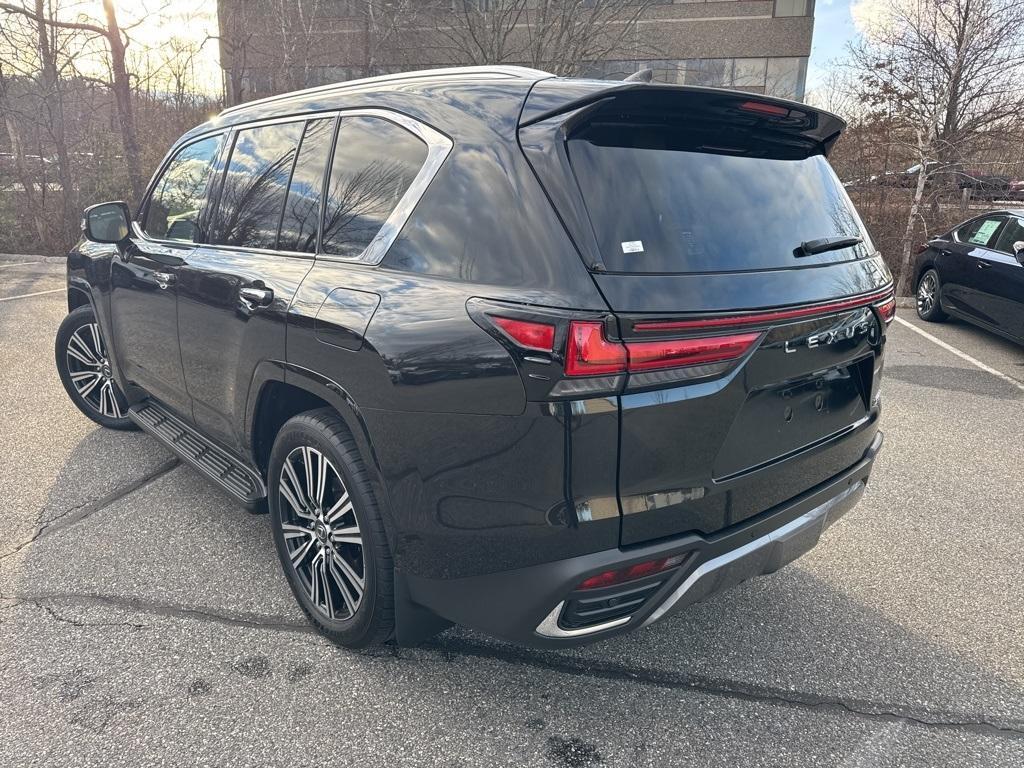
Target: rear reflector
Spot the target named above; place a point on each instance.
(631, 573)
(529, 335)
(590, 353)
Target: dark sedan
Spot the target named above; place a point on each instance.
(976, 272)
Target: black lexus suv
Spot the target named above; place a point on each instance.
(549, 358)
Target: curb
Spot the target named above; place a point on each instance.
(21, 258)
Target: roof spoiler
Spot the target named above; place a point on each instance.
(576, 102)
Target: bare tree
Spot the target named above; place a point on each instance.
(382, 21)
(296, 24)
(563, 36)
(120, 83)
(236, 43)
(950, 72)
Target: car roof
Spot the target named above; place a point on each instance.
(496, 94)
(412, 92)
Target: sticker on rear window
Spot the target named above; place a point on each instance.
(633, 246)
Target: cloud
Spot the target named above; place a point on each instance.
(870, 15)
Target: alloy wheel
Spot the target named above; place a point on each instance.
(90, 371)
(321, 533)
(926, 294)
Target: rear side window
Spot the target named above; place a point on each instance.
(663, 201)
(375, 162)
(980, 231)
(178, 197)
(255, 185)
(302, 207)
(1012, 233)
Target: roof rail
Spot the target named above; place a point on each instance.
(467, 73)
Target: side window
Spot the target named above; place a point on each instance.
(173, 210)
(302, 207)
(979, 231)
(375, 162)
(255, 185)
(1013, 232)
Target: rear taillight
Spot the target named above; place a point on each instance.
(631, 573)
(887, 310)
(527, 334)
(591, 353)
(653, 355)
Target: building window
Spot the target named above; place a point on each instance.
(786, 77)
(793, 7)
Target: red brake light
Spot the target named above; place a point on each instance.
(589, 353)
(630, 573)
(765, 109)
(888, 310)
(651, 355)
(539, 336)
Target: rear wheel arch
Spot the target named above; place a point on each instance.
(278, 401)
(923, 267)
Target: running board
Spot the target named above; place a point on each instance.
(199, 452)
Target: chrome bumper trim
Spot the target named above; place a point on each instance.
(772, 548)
(549, 627)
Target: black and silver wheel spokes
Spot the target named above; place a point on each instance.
(90, 371)
(321, 533)
(926, 294)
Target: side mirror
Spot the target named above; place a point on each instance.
(106, 222)
(1018, 251)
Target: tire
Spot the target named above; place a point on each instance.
(81, 358)
(316, 529)
(929, 304)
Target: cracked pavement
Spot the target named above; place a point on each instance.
(143, 617)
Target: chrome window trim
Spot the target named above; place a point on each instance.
(439, 146)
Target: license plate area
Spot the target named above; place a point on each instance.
(778, 421)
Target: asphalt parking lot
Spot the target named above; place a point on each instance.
(144, 619)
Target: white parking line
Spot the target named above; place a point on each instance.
(19, 264)
(962, 355)
(29, 295)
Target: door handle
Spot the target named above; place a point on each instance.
(256, 297)
(984, 265)
(164, 279)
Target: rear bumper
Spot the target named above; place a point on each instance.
(531, 605)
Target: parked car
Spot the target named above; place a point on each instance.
(987, 186)
(548, 358)
(976, 272)
(1015, 190)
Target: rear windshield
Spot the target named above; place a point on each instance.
(661, 202)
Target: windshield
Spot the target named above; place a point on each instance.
(657, 208)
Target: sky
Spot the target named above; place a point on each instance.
(836, 24)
